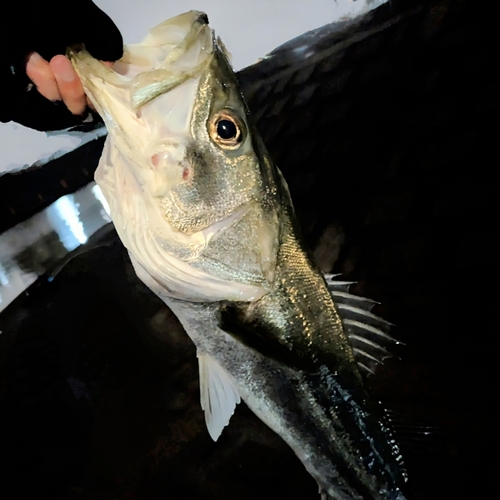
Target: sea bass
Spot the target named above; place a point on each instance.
(210, 228)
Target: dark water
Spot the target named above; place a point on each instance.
(388, 144)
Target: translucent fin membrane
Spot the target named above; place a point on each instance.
(368, 333)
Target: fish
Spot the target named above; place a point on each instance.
(210, 228)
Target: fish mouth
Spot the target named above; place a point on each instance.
(170, 54)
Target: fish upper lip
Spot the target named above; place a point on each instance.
(166, 75)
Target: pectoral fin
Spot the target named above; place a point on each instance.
(218, 395)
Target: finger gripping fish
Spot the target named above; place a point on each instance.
(209, 225)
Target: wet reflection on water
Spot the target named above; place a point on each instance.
(41, 244)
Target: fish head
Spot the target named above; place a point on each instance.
(191, 190)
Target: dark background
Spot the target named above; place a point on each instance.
(387, 135)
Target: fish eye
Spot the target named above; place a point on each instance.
(226, 131)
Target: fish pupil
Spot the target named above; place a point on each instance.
(226, 129)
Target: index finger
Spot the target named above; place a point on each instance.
(69, 85)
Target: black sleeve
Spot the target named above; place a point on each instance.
(47, 27)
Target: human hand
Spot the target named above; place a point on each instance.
(38, 86)
(57, 81)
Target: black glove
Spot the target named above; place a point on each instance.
(47, 27)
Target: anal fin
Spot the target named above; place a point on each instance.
(218, 395)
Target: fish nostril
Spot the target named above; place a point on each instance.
(158, 161)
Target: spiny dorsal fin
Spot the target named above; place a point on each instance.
(368, 333)
(354, 300)
(366, 317)
(218, 395)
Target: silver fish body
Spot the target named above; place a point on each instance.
(210, 228)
